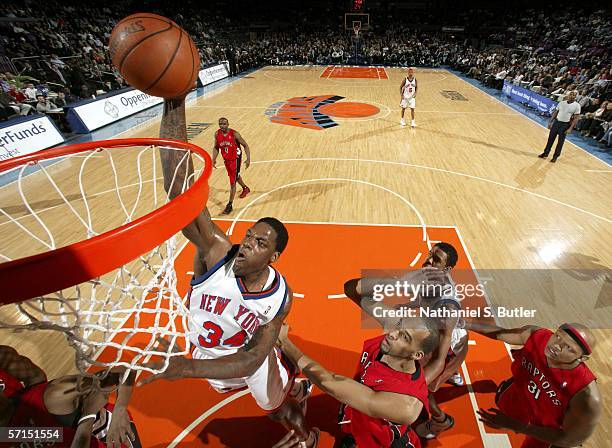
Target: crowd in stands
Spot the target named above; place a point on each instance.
(59, 50)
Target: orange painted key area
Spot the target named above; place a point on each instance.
(317, 262)
(355, 72)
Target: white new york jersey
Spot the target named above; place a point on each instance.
(409, 88)
(223, 314)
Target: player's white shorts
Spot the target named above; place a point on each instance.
(269, 385)
(408, 102)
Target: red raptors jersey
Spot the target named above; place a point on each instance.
(372, 432)
(30, 410)
(545, 392)
(227, 145)
(9, 385)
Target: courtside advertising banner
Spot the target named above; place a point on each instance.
(211, 74)
(21, 137)
(93, 115)
(532, 99)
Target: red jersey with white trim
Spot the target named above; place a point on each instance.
(9, 385)
(545, 391)
(227, 144)
(32, 412)
(224, 315)
(370, 432)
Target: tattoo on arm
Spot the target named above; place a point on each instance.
(177, 165)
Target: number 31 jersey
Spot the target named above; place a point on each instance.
(223, 314)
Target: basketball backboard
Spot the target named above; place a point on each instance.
(352, 18)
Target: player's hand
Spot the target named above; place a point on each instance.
(214, 162)
(247, 163)
(495, 418)
(428, 276)
(290, 440)
(120, 430)
(178, 368)
(550, 125)
(94, 400)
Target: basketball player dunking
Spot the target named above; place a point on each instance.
(237, 302)
(408, 92)
(230, 143)
(552, 396)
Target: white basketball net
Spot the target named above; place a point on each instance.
(116, 319)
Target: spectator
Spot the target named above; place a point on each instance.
(17, 94)
(60, 101)
(4, 83)
(30, 92)
(43, 105)
(8, 101)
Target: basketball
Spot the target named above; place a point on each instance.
(155, 55)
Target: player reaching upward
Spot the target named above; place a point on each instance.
(408, 92)
(552, 396)
(389, 389)
(237, 302)
(453, 341)
(230, 143)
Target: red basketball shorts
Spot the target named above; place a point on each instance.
(233, 169)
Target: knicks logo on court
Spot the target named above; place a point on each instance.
(316, 112)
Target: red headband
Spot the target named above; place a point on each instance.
(576, 336)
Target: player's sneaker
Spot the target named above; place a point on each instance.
(302, 388)
(413, 124)
(313, 439)
(431, 429)
(456, 380)
(244, 192)
(228, 209)
(403, 122)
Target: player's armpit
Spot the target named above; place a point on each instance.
(212, 244)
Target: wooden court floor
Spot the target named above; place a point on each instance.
(328, 149)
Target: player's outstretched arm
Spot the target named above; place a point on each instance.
(579, 421)
(394, 407)
(354, 290)
(370, 293)
(92, 403)
(512, 336)
(240, 364)
(20, 367)
(120, 430)
(177, 166)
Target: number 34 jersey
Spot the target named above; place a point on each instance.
(223, 314)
